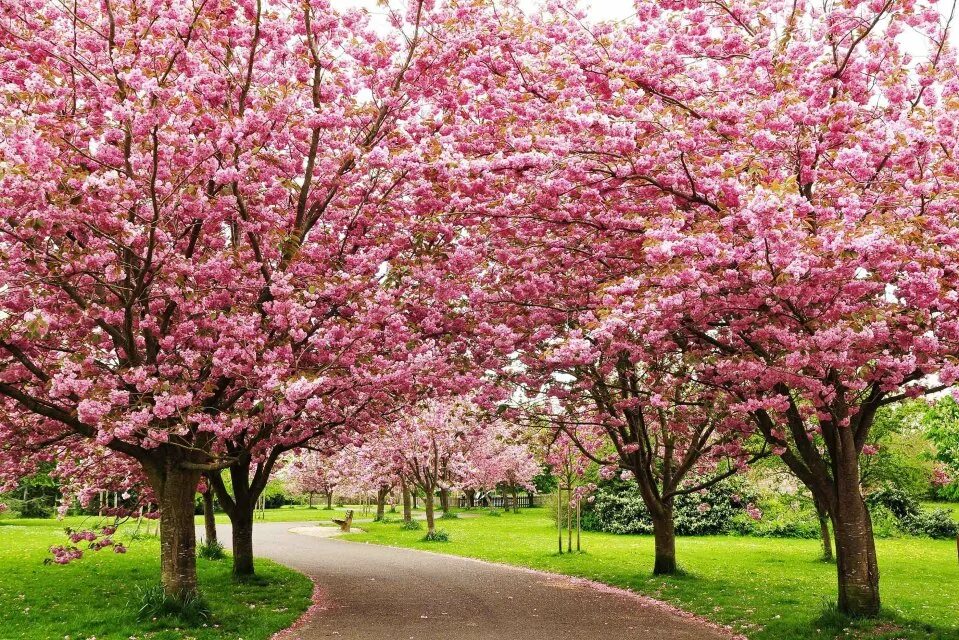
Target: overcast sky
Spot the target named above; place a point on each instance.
(619, 9)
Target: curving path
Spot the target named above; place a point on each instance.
(370, 592)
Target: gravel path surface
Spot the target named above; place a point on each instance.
(370, 592)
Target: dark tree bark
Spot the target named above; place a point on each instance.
(407, 502)
(329, 499)
(823, 515)
(470, 498)
(209, 517)
(832, 475)
(247, 482)
(430, 520)
(664, 536)
(381, 502)
(175, 488)
(445, 500)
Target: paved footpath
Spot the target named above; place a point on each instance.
(370, 592)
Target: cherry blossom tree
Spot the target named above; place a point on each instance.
(193, 198)
(775, 204)
(311, 473)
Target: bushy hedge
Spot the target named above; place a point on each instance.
(911, 517)
(618, 508)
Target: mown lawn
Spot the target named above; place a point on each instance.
(97, 596)
(769, 589)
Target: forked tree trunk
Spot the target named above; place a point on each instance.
(175, 489)
(407, 503)
(209, 517)
(664, 535)
(430, 520)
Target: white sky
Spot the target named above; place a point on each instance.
(619, 9)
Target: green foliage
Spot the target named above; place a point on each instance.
(784, 516)
(904, 454)
(941, 421)
(189, 609)
(911, 517)
(496, 513)
(439, 535)
(449, 515)
(211, 550)
(619, 508)
(412, 525)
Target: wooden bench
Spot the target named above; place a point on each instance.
(345, 522)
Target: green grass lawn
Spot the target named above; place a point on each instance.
(97, 596)
(770, 589)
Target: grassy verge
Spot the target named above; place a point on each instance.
(98, 595)
(769, 589)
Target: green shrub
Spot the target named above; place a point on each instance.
(210, 550)
(494, 512)
(412, 525)
(154, 603)
(885, 524)
(619, 508)
(449, 515)
(910, 517)
(440, 535)
(932, 523)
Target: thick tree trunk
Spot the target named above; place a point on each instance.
(175, 489)
(407, 503)
(664, 535)
(381, 502)
(209, 517)
(445, 500)
(242, 522)
(430, 520)
(470, 498)
(858, 569)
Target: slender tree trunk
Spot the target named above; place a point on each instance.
(329, 500)
(175, 489)
(407, 503)
(823, 514)
(430, 521)
(381, 502)
(209, 517)
(311, 499)
(664, 535)
(445, 500)
(515, 501)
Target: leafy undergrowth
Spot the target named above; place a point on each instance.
(101, 594)
(768, 589)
